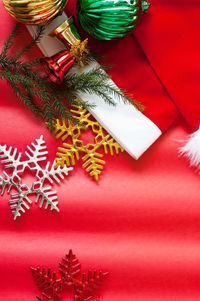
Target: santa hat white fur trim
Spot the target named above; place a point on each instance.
(192, 149)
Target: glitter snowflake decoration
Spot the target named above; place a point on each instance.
(53, 285)
(92, 158)
(36, 153)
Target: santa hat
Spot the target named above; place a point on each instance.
(170, 37)
(135, 131)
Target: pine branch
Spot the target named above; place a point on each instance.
(96, 81)
(9, 42)
(48, 100)
(15, 82)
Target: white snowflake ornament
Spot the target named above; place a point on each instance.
(44, 195)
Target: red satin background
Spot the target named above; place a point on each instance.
(141, 222)
(170, 37)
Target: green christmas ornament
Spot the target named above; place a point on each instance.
(110, 19)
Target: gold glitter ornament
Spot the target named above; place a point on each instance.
(69, 153)
(34, 12)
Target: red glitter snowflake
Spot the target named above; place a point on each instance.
(53, 286)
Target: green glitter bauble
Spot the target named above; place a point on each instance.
(110, 19)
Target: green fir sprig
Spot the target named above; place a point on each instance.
(45, 99)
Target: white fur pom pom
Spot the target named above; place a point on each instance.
(192, 149)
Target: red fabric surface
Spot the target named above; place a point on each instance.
(140, 222)
(170, 37)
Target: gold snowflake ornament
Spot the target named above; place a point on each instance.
(88, 152)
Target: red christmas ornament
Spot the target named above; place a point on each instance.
(52, 286)
(57, 65)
